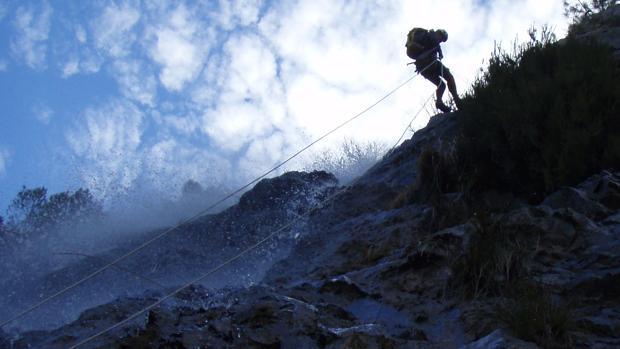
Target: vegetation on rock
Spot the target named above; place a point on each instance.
(33, 213)
(583, 13)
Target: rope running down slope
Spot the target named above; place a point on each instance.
(236, 257)
(198, 215)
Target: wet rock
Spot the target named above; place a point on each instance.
(334, 316)
(261, 313)
(273, 192)
(344, 287)
(499, 339)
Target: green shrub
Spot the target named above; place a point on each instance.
(437, 174)
(32, 213)
(495, 259)
(496, 266)
(531, 313)
(542, 117)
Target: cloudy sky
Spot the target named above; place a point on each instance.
(111, 94)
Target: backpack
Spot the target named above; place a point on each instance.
(414, 39)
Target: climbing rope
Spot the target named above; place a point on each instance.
(409, 126)
(256, 245)
(144, 278)
(203, 212)
(217, 268)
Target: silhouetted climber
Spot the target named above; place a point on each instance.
(423, 46)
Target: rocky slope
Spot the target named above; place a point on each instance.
(180, 256)
(603, 27)
(367, 270)
(366, 275)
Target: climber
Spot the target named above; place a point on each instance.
(423, 46)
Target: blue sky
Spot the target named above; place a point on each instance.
(112, 95)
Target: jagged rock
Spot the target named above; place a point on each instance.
(399, 168)
(597, 198)
(499, 339)
(603, 27)
(377, 279)
(343, 286)
(577, 200)
(604, 188)
(357, 339)
(273, 192)
(222, 326)
(605, 322)
(4, 340)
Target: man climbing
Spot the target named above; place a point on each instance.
(423, 46)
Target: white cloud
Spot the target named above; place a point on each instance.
(113, 29)
(265, 152)
(72, 67)
(3, 11)
(185, 125)
(307, 70)
(3, 65)
(250, 105)
(80, 34)
(5, 156)
(33, 27)
(238, 13)
(81, 57)
(43, 113)
(136, 81)
(333, 68)
(91, 63)
(259, 79)
(106, 142)
(205, 91)
(179, 48)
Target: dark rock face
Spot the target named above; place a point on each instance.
(398, 169)
(499, 339)
(604, 27)
(275, 192)
(362, 275)
(190, 250)
(4, 340)
(598, 197)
